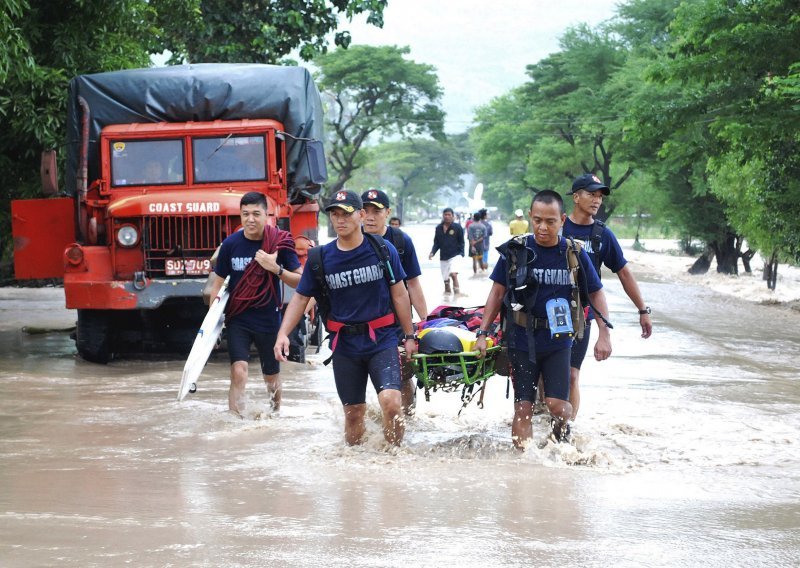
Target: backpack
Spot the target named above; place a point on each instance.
(595, 238)
(399, 241)
(314, 260)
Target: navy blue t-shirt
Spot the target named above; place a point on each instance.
(236, 252)
(409, 259)
(610, 252)
(359, 292)
(552, 272)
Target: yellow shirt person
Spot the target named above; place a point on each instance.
(518, 226)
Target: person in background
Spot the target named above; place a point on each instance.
(475, 234)
(448, 240)
(489, 231)
(518, 225)
(256, 316)
(377, 209)
(395, 222)
(365, 311)
(532, 348)
(603, 248)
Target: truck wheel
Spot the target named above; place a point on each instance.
(93, 338)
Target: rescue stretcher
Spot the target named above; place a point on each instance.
(448, 361)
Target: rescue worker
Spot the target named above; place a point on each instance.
(603, 248)
(254, 318)
(377, 209)
(364, 311)
(533, 348)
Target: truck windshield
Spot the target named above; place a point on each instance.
(229, 158)
(147, 162)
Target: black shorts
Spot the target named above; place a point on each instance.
(554, 368)
(239, 341)
(579, 348)
(350, 374)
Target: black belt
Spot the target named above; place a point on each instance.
(521, 318)
(354, 329)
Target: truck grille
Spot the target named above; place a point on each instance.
(182, 238)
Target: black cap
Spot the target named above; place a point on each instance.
(589, 182)
(375, 197)
(346, 200)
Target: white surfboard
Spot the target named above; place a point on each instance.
(205, 341)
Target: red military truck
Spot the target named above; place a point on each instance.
(157, 161)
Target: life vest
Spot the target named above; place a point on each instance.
(522, 289)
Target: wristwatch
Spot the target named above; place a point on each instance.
(646, 310)
(410, 336)
(481, 332)
(280, 270)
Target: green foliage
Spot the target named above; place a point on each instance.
(413, 169)
(375, 90)
(47, 44)
(739, 62)
(257, 31)
(566, 120)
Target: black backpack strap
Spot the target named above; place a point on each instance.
(596, 239)
(399, 241)
(379, 246)
(314, 262)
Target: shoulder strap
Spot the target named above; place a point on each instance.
(577, 300)
(399, 241)
(314, 262)
(596, 239)
(380, 248)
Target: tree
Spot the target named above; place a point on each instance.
(257, 31)
(501, 138)
(733, 62)
(418, 167)
(47, 44)
(566, 120)
(375, 90)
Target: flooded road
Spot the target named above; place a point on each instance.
(687, 452)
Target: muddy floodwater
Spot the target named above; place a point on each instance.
(686, 453)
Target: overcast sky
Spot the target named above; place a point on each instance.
(479, 48)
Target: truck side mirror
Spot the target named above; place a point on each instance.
(48, 171)
(315, 155)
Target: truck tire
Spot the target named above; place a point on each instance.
(93, 335)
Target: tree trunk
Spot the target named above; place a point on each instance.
(703, 263)
(747, 256)
(727, 255)
(771, 271)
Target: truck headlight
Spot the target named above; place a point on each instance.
(127, 236)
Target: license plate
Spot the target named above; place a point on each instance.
(190, 266)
